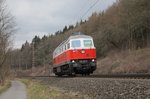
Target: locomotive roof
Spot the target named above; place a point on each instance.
(74, 37)
(79, 36)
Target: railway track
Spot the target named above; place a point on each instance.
(129, 76)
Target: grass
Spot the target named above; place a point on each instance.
(37, 90)
(5, 86)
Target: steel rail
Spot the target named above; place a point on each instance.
(131, 76)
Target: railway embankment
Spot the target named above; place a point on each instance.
(102, 88)
(129, 61)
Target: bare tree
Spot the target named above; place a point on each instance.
(7, 27)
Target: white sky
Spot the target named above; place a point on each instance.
(39, 17)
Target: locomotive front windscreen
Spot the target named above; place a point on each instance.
(88, 43)
(76, 43)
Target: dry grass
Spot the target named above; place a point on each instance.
(37, 71)
(125, 62)
(5, 86)
(37, 90)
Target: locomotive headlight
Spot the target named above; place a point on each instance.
(93, 60)
(73, 61)
(83, 51)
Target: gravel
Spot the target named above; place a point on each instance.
(103, 88)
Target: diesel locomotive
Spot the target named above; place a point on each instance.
(76, 55)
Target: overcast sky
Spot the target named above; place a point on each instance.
(43, 17)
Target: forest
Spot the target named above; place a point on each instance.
(124, 26)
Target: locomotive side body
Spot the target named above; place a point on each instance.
(77, 55)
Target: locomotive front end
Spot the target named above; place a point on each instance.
(83, 55)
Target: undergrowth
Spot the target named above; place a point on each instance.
(37, 90)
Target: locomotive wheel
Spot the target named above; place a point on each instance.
(86, 74)
(72, 74)
(59, 75)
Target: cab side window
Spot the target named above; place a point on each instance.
(68, 45)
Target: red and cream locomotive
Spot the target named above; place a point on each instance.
(76, 55)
